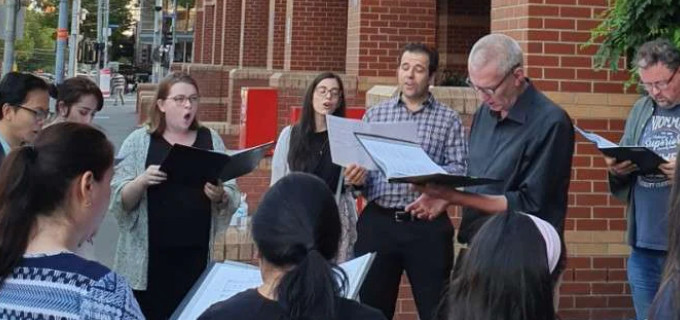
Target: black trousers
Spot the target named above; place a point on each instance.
(171, 274)
(424, 249)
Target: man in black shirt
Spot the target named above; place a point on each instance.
(518, 136)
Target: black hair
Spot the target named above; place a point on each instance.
(303, 131)
(432, 55)
(505, 275)
(15, 87)
(34, 180)
(73, 89)
(297, 225)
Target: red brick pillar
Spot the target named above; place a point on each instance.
(315, 35)
(551, 33)
(277, 36)
(197, 56)
(255, 31)
(376, 32)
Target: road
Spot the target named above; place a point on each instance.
(117, 122)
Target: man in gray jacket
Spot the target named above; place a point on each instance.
(654, 122)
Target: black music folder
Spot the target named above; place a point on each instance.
(193, 166)
(646, 159)
(406, 162)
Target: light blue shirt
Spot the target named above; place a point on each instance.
(5, 145)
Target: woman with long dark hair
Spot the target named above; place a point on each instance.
(296, 230)
(304, 147)
(78, 100)
(167, 229)
(666, 305)
(53, 196)
(506, 274)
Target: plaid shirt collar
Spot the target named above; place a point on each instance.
(396, 102)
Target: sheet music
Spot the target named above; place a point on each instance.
(345, 149)
(356, 270)
(596, 139)
(223, 282)
(400, 160)
(229, 278)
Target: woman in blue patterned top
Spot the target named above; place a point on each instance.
(53, 196)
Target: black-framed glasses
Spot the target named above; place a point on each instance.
(490, 91)
(323, 91)
(39, 115)
(659, 85)
(182, 100)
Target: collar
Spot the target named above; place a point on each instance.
(5, 145)
(520, 110)
(398, 103)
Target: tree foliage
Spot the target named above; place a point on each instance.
(630, 23)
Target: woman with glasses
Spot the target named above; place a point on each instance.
(24, 100)
(166, 228)
(304, 147)
(78, 100)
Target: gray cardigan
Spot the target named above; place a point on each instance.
(132, 252)
(620, 186)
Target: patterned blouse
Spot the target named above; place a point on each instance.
(64, 286)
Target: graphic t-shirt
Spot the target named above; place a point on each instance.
(651, 191)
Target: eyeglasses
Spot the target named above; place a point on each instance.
(39, 115)
(182, 100)
(659, 85)
(492, 90)
(323, 91)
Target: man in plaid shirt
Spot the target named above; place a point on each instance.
(421, 247)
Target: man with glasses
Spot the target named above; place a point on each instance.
(421, 247)
(653, 122)
(519, 136)
(24, 101)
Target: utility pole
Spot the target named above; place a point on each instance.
(10, 24)
(62, 36)
(73, 41)
(107, 33)
(157, 28)
(99, 40)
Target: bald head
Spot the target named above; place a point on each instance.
(495, 49)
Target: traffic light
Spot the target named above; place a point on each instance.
(167, 36)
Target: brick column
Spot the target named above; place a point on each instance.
(377, 30)
(277, 34)
(315, 35)
(254, 31)
(551, 33)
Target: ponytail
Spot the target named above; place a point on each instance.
(17, 210)
(35, 180)
(309, 290)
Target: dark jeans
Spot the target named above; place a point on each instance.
(424, 249)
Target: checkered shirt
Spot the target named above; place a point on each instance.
(440, 133)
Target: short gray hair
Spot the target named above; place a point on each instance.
(658, 51)
(498, 48)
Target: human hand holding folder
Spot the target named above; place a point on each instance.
(645, 159)
(193, 166)
(406, 162)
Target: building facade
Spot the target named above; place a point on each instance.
(285, 43)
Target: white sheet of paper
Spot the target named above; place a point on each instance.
(600, 141)
(400, 160)
(228, 278)
(345, 148)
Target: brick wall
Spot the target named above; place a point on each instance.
(197, 57)
(279, 36)
(318, 35)
(255, 29)
(208, 32)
